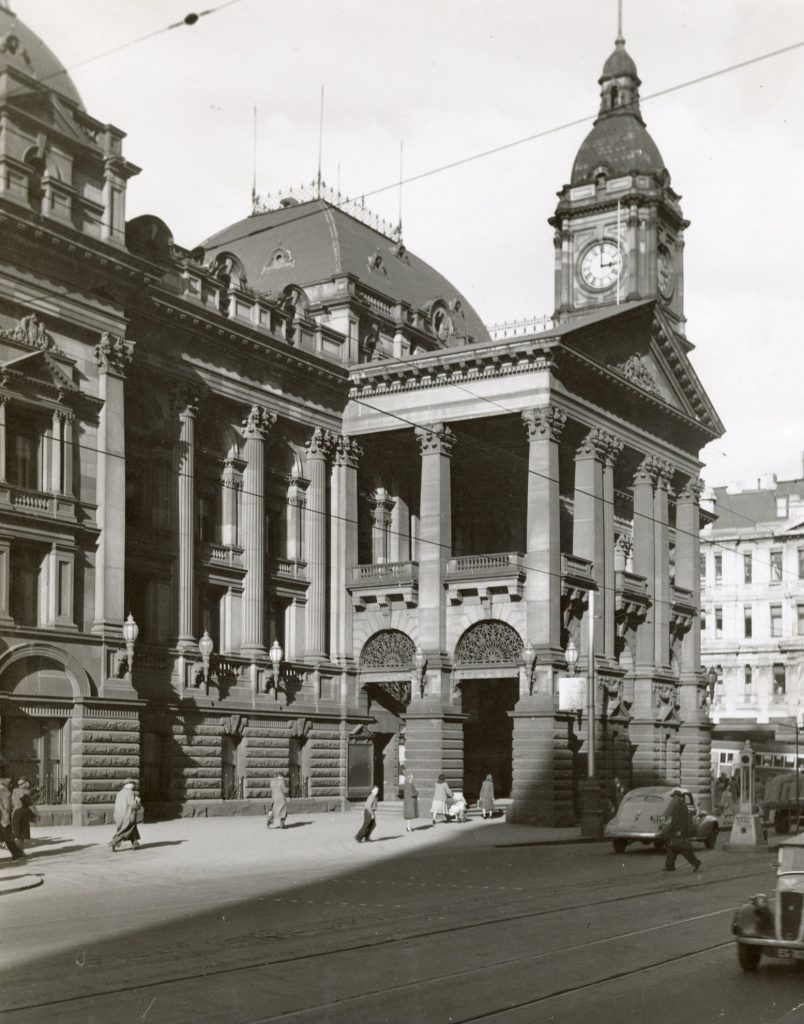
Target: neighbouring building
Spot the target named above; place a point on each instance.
(355, 531)
(752, 587)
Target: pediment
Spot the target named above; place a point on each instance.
(639, 344)
(48, 108)
(40, 368)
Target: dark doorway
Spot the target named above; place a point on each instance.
(488, 734)
(231, 775)
(298, 767)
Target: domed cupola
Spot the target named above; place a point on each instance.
(619, 142)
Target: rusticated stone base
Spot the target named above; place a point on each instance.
(105, 751)
(434, 745)
(542, 779)
(696, 761)
(326, 761)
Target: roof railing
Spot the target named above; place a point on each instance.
(354, 206)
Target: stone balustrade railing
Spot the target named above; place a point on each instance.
(374, 571)
(289, 567)
(222, 554)
(631, 583)
(574, 565)
(35, 501)
(503, 560)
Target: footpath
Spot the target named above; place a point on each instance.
(71, 856)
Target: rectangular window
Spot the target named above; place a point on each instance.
(801, 563)
(776, 566)
(781, 507)
(718, 570)
(776, 619)
(26, 566)
(779, 681)
(23, 457)
(800, 619)
(748, 679)
(748, 624)
(748, 567)
(703, 619)
(718, 622)
(206, 521)
(702, 566)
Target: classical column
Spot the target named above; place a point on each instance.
(662, 594)
(68, 476)
(316, 519)
(185, 404)
(543, 427)
(696, 729)
(343, 542)
(381, 509)
(644, 541)
(231, 489)
(399, 539)
(5, 582)
(294, 516)
(588, 537)
(435, 533)
(112, 355)
(255, 428)
(57, 453)
(613, 449)
(3, 442)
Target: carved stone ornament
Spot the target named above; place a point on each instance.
(489, 643)
(258, 422)
(594, 445)
(435, 439)
(113, 354)
(635, 371)
(544, 424)
(186, 399)
(320, 445)
(30, 330)
(398, 691)
(691, 491)
(390, 648)
(347, 451)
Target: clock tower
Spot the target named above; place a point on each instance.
(619, 229)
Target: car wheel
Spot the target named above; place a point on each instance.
(749, 956)
(659, 844)
(619, 845)
(711, 840)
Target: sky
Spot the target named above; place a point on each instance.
(452, 78)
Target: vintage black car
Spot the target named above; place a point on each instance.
(762, 930)
(643, 812)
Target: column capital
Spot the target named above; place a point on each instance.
(321, 444)
(691, 491)
(655, 470)
(664, 472)
(595, 445)
(258, 422)
(614, 448)
(435, 439)
(185, 400)
(346, 451)
(545, 423)
(381, 507)
(113, 354)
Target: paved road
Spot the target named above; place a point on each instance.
(220, 922)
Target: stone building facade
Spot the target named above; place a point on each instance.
(298, 439)
(752, 582)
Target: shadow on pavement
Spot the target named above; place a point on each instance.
(166, 842)
(298, 824)
(34, 856)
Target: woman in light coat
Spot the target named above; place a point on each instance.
(126, 806)
(486, 800)
(442, 795)
(279, 802)
(410, 811)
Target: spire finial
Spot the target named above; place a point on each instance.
(620, 21)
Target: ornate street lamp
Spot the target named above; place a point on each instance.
(206, 646)
(276, 654)
(420, 664)
(571, 655)
(130, 633)
(529, 661)
(711, 678)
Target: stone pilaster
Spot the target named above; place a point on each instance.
(543, 545)
(433, 744)
(112, 356)
(3, 438)
(588, 537)
(294, 515)
(343, 543)
(68, 479)
(57, 453)
(642, 729)
(231, 496)
(105, 751)
(256, 425)
(614, 447)
(435, 533)
(319, 451)
(381, 512)
(185, 404)
(662, 593)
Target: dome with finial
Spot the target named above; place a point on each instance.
(22, 51)
(619, 143)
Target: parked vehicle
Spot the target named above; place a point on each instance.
(779, 932)
(779, 801)
(643, 812)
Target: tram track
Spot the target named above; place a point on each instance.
(411, 935)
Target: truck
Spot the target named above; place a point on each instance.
(779, 806)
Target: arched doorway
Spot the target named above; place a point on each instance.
(386, 663)
(487, 660)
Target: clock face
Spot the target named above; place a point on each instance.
(664, 274)
(601, 265)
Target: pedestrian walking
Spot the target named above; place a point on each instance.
(442, 795)
(369, 816)
(486, 799)
(279, 801)
(619, 792)
(126, 809)
(6, 834)
(727, 806)
(22, 812)
(457, 809)
(410, 810)
(677, 832)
